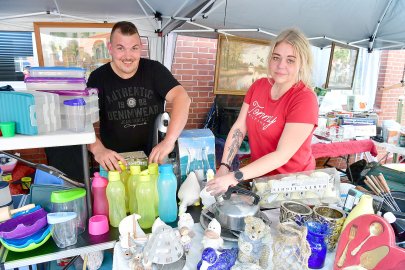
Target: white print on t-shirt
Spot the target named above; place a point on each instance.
(256, 113)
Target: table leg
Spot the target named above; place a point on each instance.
(87, 178)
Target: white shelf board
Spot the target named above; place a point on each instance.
(58, 138)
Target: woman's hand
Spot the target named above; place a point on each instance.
(220, 184)
(222, 170)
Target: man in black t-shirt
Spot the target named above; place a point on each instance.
(132, 92)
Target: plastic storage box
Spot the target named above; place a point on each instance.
(40, 83)
(71, 200)
(61, 72)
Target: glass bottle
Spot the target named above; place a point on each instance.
(316, 237)
(133, 179)
(167, 187)
(116, 198)
(153, 169)
(145, 200)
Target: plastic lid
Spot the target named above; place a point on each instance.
(153, 168)
(99, 181)
(75, 102)
(135, 169)
(58, 68)
(62, 196)
(166, 168)
(59, 217)
(103, 173)
(114, 176)
(390, 217)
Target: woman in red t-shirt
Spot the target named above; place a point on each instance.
(279, 113)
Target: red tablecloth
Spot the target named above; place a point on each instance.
(337, 149)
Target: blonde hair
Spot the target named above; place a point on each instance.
(301, 46)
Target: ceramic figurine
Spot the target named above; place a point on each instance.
(185, 239)
(206, 198)
(217, 260)
(136, 262)
(212, 236)
(185, 220)
(253, 242)
(189, 192)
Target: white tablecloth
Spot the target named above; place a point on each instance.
(120, 263)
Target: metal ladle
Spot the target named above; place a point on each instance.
(375, 229)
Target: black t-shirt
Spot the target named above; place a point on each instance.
(129, 107)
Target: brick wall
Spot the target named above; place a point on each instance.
(194, 67)
(391, 70)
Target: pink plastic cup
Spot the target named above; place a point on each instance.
(98, 224)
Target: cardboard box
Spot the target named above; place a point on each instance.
(357, 121)
(196, 152)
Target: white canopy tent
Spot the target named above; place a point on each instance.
(363, 23)
(370, 24)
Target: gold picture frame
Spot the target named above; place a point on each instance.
(240, 61)
(342, 66)
(73, 44)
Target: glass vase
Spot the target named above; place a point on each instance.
(316, 237)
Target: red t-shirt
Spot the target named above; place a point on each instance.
(266, 119)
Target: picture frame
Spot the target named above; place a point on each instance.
(73, 44)
(342, 66)
(239, 62)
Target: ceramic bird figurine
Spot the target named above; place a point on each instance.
(189, 192)
(206, 198)
(212, 236)
(217, 260)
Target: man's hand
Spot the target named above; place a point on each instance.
(161, 151)
(108, 159)
(220, 184)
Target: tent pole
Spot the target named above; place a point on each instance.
(155, 25)
(203, 9)
(175, 13)
(24, 15)
(372, 38)
(219, 3)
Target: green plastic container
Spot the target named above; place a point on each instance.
(71, 200)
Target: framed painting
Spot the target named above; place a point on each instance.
(342, 66)
(240, 62)
(72, 44)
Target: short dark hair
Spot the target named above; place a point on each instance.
(126, 28)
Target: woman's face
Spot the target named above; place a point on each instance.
(284, 64)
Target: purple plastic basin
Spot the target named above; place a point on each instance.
(24, 225)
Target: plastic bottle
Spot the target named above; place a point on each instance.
(124, 179)
(144, 197)
(167, 187)
(116, 198)
(131, 187)
(98, 189)
(153, 169)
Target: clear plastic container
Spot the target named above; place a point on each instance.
(62, 72)
(64, 230)
(75, 114)
(37, 83)
(71, 200)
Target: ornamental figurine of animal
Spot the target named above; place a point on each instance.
(253, 243)
(212, 259)
(212, 236)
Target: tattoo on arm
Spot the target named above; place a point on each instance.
(237, 138)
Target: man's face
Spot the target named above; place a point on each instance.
(125, 52)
